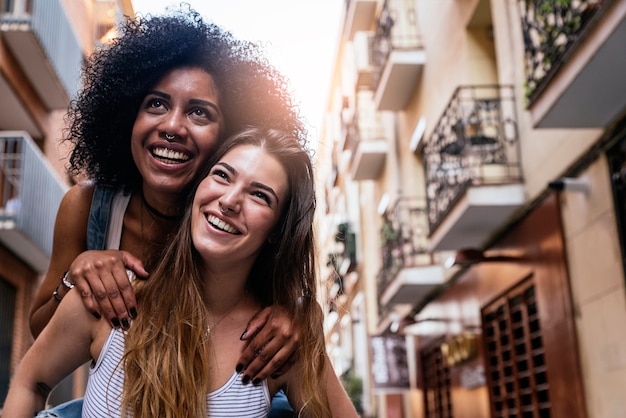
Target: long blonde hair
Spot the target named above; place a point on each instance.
(166, 357)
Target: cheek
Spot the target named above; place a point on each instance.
(137, 135)
(194, 230)
(269, 224)
(135, 149)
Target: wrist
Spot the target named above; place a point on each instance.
(58, 294)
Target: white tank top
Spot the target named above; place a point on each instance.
(106, 381)
(116, 220)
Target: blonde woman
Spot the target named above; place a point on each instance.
(246, 242)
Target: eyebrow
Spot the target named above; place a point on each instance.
(196, 102)
(263, 186)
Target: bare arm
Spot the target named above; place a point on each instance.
(61, 347)
(99, 276)
(340, 404)
(70, 232)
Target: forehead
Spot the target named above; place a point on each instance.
(256, 164)
(189, 80)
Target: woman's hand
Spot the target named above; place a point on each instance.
(101, 279)
(273, 339)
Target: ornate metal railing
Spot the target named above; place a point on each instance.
(396, 29)
(550, 28)
(403, 239)
(475, 142)
(341, 258)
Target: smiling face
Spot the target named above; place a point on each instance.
(237, 206)
(184, 104)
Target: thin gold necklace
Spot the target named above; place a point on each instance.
(208, 327)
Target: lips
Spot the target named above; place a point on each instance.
(221, 225)
(169, 156)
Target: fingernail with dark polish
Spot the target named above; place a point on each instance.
(115, 322)
(245, 379)
(96, 315)
(256, 382)
(133, 313)
(243, 335)
(125, 323)
(239, 368)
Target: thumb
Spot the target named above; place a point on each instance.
(135, 264)
(256, 323)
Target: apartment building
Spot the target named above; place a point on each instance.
(42, 45)
(472, 207)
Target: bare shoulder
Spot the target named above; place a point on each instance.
(78, 197)
(74, 209)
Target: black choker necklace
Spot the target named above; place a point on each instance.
(156, 213)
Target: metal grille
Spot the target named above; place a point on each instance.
(7, 317)
(515, 363)
(436, 378)
(550, 28)
(403, 238)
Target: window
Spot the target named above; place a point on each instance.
(436, 381)
(7, 318)
(515, 363)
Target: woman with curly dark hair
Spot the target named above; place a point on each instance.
(153, 106)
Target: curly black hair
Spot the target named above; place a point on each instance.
(117, 76)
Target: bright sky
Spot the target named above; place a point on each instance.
(299, 38)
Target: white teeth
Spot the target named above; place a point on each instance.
(220, 224)
(170, 154)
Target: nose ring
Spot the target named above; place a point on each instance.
(168, 136)
(223, 209)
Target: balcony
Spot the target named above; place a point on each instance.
(30, 194)
(397, 55)
(342, 258)
(574, 55)
(407, 273)
(362, 45)
(359, 16)
(367, 141)
(45, 46)
(473, 171)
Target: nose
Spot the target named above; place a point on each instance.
(173, 125)
(231, 201)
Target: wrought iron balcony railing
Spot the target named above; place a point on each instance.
(343, 257)
(30, 194)
(403, 239)
(396, 29)
(474, 143)
(550, 28)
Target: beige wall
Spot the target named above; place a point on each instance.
(597, 282)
